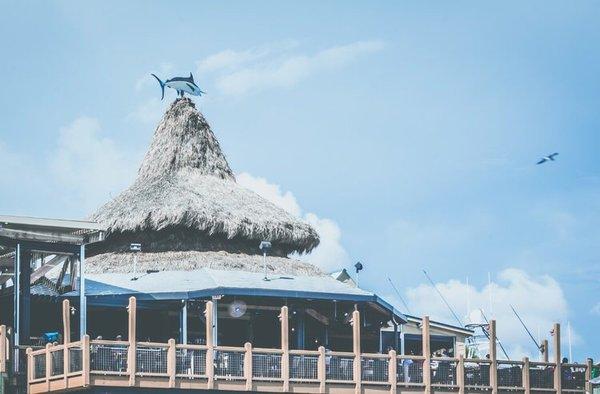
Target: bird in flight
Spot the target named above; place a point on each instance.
(547, 158)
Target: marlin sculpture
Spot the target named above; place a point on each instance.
(181, 85)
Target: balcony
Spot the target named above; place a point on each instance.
(146, 365)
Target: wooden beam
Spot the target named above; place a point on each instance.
(131, 337)
(557, 359)
(493, 357)
(285, 348)
(427, 353)
(356, 349)
(210, 349)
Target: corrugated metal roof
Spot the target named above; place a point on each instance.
(174, 285)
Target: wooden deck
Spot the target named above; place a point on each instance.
(145, 367)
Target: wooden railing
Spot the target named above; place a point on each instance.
(214, 367)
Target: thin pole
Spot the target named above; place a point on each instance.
(570, 344)
(265, 263)
(399, 296)
(490, 295)
(82, 299)
(468, 317)
(444, 299)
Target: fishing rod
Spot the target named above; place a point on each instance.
(488, 335)
(399, 295)
(526, 329)
(444, 299)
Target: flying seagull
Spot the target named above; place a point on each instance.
(547, 158)
(181, 85)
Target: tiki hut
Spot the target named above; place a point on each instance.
(200, 232)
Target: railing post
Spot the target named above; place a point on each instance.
(588, 375)
(210, 347)
(526, 377)
(248, 365)
(545, 350)
(3, 349)
(322, 369)
(131, 337)
(171, 362)
(48, 365)
(85, 359)
(557, 359)
(29, 366)
(493, 358)
(285, 348)
(356, 348)
(460, 374)
(66, 317)
(427, 353)
(392, 372)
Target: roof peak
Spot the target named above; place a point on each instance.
(184, 140)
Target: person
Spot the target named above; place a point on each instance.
(567, 372)
(406, 363)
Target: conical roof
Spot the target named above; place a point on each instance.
(186, 198)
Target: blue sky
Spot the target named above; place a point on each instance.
(407, 132)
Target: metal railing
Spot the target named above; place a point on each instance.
(190, 361)
(409, 370)
(266, 365)
(304, 367)
(477, 373)
(375, 368)
(229, 363)
(339, 367)
(75, 359)
(57, 362)
(510, 374)
(151, 359)
(107, 357)
(573, 376)
(541, 375)
(443, 371)
(39, 366)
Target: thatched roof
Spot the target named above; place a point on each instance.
(186, 198)
(194, 260)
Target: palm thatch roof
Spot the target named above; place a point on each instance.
(186, 198)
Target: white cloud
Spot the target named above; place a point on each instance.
(539, 301)
(148, 112)
(242, 72)
(88, 165)
(330, 254)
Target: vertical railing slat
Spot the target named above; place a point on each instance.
(248, 365)
(171, 362)
(393, 371)
(427, 353)
(322, 370)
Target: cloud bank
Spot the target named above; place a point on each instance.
(330, 254)
(277, 66)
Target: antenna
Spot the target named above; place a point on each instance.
(526, 329)
(570, 344)
(399, 295)
(490, 294)
(443, 299)
(358, 267)
(488, 335)
(468, 315)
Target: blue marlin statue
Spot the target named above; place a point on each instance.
(181, 85)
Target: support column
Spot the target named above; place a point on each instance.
(66, 317)
(322, 370)
(557, 359)
(82, 299)
(85, 359)
(460, 374)
(526, 377)
(184, 322)
(493, 357)
(215, 322)
(25, 290)
(172, 362)
(210, 349)
(248, 365)
(285, 348)
(393, 371)
(356, 349)
(16, 307)
(131, 337)
(427, 353)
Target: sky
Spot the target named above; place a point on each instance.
(406, 132)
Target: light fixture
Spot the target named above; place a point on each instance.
(265, 246)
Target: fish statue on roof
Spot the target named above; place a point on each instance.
(181, 85)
